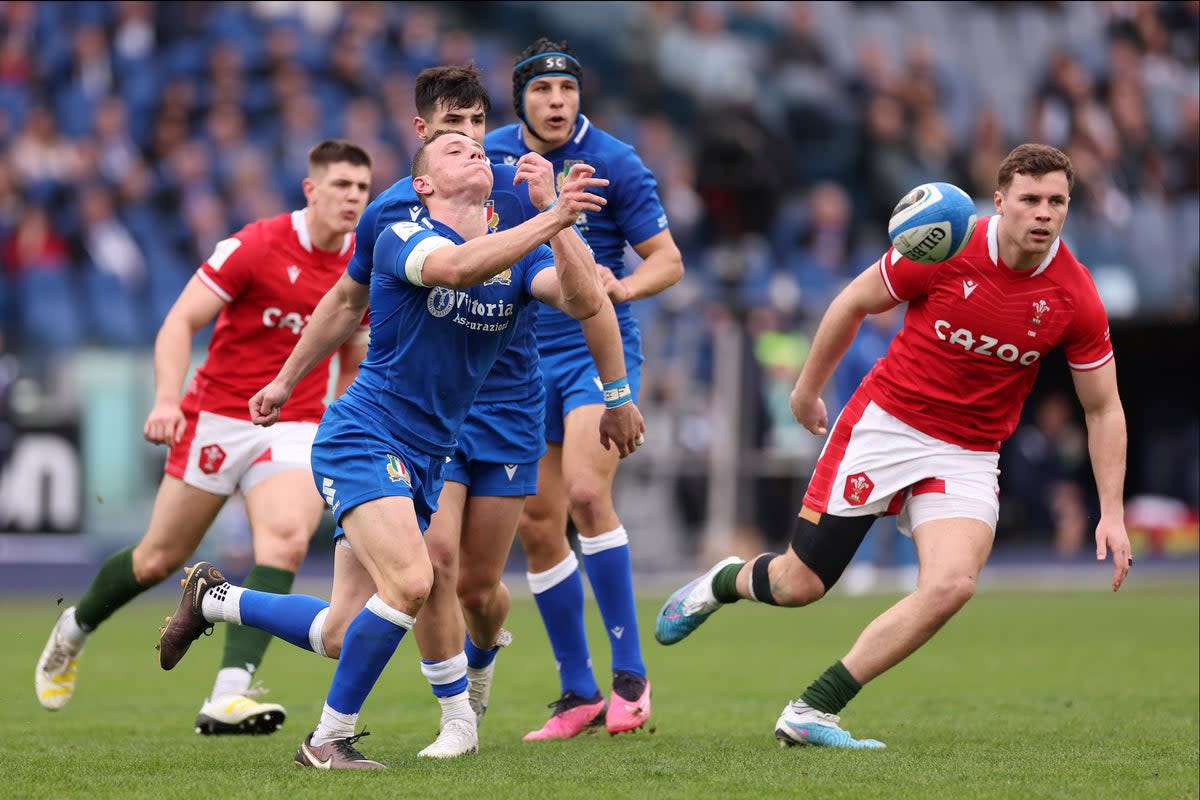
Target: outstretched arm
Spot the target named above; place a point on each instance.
(577, 272)
(1107, 437)
(474, 261)
(866, 294)
(335, 318)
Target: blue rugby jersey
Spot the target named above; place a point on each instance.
(633, 214)
(516, 377)
(432, 348)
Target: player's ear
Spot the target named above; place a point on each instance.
(422, 185)
(421, 128)
(998, 199)
(310, 189)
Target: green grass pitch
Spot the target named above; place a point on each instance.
(1080, 694)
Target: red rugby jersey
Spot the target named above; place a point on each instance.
(975, 333)
(271, 277)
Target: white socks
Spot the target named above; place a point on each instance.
(231, 680)
(223, 604)
(333, 725)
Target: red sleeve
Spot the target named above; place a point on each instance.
(1087, 343)
(905, 280)
(230, 268)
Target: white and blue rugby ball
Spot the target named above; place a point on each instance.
(932, 223)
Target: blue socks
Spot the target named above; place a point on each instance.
(370, 641)
(286, 616)
(559, 595)
(610, 572)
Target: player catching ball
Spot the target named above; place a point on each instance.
(921, 435)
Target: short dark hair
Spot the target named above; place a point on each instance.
(454, 86)
(1034, 160)
(530, 65)
(336, 151)
(421, 158)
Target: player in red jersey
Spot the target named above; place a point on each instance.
(261, 285)
(921, 435)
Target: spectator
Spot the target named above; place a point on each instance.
(1047, 476)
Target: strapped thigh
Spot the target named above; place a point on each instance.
(826, 543)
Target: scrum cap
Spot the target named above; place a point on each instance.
(542, 59)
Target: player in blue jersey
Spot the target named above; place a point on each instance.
(546, 93)
(495, 464)
(443, 297)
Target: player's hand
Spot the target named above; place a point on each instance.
(810, 412)
(624, 427)
(613, 286)
(165, 423)
(265, 405)
(534, 170)
(1111, 537)
(577, 196)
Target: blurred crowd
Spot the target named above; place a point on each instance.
(135, 135)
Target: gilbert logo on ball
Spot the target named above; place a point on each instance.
(932, 223)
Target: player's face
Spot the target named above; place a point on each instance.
(338, 195)
(1032, 211)
(470, 121)
(551, 105)
(458, 160)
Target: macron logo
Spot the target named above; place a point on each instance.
(510, 470)
(414, 212)
(968, 287)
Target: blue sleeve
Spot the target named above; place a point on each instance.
(541, 258)
(396, 243)
(635, 205)
(361, 262)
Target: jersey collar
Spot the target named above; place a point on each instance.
(994, 246)
(300, 226)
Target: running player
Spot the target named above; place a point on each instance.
(261, 285)
(921, 436)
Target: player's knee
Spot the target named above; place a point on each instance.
(792, 582)
(588, 502)
(949, 593)
(474, 595)
(283, 546)
(411, 589)
(152, 567)
(444, 561)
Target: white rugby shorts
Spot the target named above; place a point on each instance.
(222, 454)
(872, 463)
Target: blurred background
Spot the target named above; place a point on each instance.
(135, 135)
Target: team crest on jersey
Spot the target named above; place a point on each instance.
(493, 219)
(858, 488)
(441, 301)
(397, 472)
(212, 456)
(504, 278)
(566, 170)
(1040, 308)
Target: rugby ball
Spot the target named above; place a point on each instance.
(932, 223)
